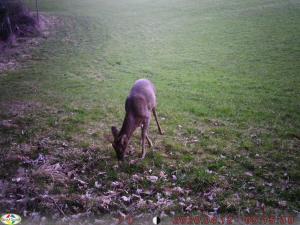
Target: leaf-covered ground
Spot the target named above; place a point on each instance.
(227, 78)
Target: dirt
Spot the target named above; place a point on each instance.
(18, 108)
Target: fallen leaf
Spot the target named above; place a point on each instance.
(125, 199)
(249, 174)
(97, 184)
(152, 179)
(139, 191)
(189, 208)
(282, 204)
(174, 177)
(178, 190)
(162, 174)
(117, 184)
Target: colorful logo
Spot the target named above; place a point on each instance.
(10, 219)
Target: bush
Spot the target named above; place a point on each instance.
(15, 19)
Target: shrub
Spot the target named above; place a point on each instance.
(15, 20)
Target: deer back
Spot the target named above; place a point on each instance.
(141, 99)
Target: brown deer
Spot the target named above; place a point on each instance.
(138, 106)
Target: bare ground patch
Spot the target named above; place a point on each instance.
(18, 108)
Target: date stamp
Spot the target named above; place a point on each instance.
(251, 220)
(220, 219)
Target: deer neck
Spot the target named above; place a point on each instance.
(128, 126)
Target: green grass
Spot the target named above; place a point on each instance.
(227, 72)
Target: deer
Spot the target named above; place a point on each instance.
(139, 105)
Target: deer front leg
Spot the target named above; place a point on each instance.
(144, 135)
(147, 138)
(149, 141)
(155, 116)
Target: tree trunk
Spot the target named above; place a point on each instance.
(37, 10)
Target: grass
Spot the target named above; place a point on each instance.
(227, 77)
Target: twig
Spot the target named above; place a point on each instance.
(59, 209)
(296, 136)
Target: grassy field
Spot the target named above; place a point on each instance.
(227, 78)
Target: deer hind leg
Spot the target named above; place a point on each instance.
(155, 116)
(145, 135)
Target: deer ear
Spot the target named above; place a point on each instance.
(115, 132)
(124, 140)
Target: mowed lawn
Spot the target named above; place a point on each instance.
(228, 88)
